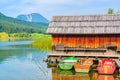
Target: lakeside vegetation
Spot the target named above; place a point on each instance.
(3, 35)
(40, 41)
(43, 42)
(22, 35)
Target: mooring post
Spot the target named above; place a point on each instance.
(119, 66)
(60, 58)
(55, 61)
(119, 58)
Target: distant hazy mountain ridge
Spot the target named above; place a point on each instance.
(33, 17)
(13, 25)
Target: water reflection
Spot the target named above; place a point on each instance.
(19, 61)
(105, 77)
(58, 74)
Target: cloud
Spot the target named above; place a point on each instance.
(56, 7)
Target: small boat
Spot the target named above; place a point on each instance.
(106, 66)
(70, 59)
(67, 63)
(83, 65)
(66, 66)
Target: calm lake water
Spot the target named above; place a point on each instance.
(19, 61)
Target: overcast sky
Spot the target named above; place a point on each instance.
(49, 8)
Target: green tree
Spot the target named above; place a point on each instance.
(110, 11)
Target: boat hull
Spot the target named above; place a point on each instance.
(83, 66)
(65, 66)
(82, 70)
(106, 70)
(106, 66)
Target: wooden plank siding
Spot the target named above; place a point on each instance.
(87, 41)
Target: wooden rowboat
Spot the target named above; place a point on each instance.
(67, 63)
(66, 66)
(83, 65)
(106, 66)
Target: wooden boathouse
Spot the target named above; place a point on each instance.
(86, 34)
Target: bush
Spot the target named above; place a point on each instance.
(4, 35)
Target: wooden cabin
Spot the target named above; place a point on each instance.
(85, 32)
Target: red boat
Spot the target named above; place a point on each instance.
(106, 66)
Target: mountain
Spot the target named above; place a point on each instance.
(33, 17)
(13, 25)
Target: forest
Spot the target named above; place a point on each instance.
(12, 25)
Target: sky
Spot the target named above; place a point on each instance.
(49, 8)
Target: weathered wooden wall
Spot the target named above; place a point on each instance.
(87, 41)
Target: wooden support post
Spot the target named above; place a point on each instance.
(119, 58)
(55, 61)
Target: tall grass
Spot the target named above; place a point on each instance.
(43, 42)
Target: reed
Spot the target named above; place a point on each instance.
(43, 42)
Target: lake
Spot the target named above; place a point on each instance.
(20, 61)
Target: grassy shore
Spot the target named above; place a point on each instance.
(18, 36)
(43, 42)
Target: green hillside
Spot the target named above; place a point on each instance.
(12, 25)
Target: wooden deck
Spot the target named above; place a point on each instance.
(116, 56)
(62, 48)
(84, 49)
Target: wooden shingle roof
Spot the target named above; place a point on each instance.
(85, 24)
